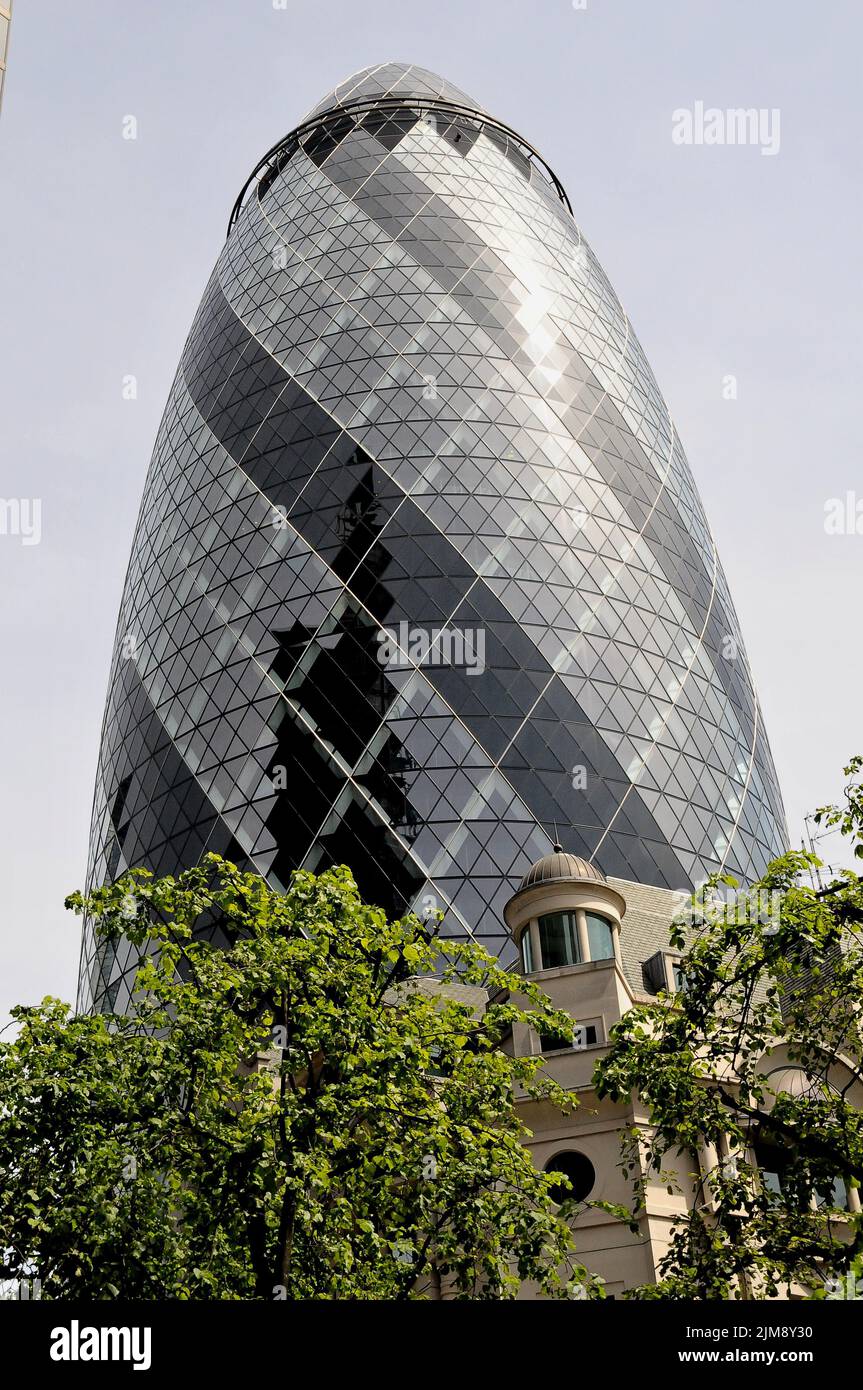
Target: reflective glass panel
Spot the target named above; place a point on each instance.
(599, 937)
(558, 940)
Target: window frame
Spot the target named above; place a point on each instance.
(608, 924)
(572, 928)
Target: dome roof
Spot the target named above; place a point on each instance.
(559, 865)
(392, 80)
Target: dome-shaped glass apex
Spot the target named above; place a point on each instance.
(392, 80)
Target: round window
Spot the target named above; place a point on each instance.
(580, 1171)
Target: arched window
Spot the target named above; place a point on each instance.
(581, 1173)
(558, 940)
(600, 938)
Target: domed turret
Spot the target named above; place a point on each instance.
(564, 913)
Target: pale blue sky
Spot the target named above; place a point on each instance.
(726, 261)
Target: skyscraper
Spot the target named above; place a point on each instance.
(421, 579)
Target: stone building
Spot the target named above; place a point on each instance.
(598, 946)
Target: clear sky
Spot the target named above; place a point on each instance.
(728, 261)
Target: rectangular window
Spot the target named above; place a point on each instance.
(526, 952)
(584, 1035)
(833, 1194)
(599, 937)
(558, 940)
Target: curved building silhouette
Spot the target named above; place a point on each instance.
(421, 580)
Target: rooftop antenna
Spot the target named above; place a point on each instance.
(806, 820)
(811, 874)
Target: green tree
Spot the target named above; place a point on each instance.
(317, 1110)
(759, 1055)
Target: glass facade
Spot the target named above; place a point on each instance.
(420, 570)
